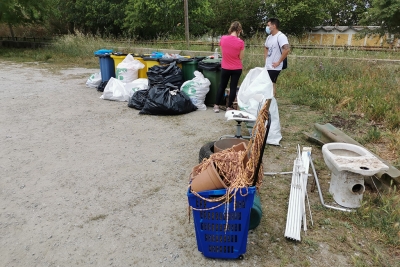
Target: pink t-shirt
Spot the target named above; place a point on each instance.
(231, 47)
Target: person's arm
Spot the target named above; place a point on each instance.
(285, 51)
(241, 54)
(265, 53)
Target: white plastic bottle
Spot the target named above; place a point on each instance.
(216, 53)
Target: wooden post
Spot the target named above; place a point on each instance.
(186, 22)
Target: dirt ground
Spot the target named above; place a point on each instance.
(90, 182)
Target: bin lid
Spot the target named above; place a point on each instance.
(103, 52)
(199, 58)
(185, 59)
(168, 60)
(125, 54)
(210, 64)
(150, 59)
(103, 55)
(212, 61)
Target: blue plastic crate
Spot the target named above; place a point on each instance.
(213, 239)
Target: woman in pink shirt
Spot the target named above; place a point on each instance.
(232, 49)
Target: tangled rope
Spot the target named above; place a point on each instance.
(237, 168)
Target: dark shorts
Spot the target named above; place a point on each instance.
(273, 74)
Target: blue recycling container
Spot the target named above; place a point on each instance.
(107, 68)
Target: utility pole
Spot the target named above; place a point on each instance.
(186, 22)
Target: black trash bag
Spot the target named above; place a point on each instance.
(101, 86)
(167, 100)
(165, 74)
(166, 61)
(138, 99)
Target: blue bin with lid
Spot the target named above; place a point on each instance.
(107, 68)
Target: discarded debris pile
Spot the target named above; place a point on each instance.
(328, 133)
(222, 188)
(349, 165)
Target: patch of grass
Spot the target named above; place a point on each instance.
(373, 135)
(98, 217)
(382, 214)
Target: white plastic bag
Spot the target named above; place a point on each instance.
(119, 91)
(257, 81)
(127, 70)
(196, 89)
(94, 80)
(136, 85)
(116, 90)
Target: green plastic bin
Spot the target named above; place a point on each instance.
(188, 69)
(212, 70)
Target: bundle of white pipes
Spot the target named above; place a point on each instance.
(298, 191)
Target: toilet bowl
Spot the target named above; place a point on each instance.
(349, 164)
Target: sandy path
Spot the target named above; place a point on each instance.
(86, 181)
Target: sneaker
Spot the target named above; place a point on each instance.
(227, 109)
(216, 109)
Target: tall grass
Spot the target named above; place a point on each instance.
(383, 214)
(355, 86)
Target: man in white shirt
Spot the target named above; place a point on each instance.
(274, 56)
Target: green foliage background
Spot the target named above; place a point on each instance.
(151, 19)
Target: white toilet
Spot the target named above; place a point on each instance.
(349, 164)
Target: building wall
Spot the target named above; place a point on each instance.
(348, 37)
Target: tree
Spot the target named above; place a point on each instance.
(297, 16)
(16, 12)
(154, 18)
(384, 13)
(100, 16)
(346, 12)
(224, 12)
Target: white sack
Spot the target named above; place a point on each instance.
(257, 81)
(196, 89)
(94, 80)
(127, 70)
(115, 90)
(136, 85)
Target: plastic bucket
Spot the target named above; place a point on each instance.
(255, 213)
(208, 179)
(228, 143)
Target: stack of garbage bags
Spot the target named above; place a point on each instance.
(163, 97)
(170, 73)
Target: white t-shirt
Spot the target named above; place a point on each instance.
(274, 54)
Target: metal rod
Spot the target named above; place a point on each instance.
(309, 208)
(321, 198)
(377, 190)
(279, 173)
(276, 173)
